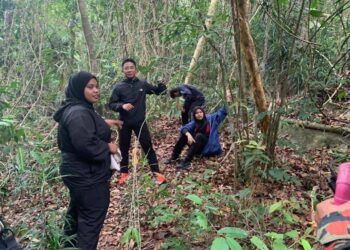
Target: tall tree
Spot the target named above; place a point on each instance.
(201, 41)
(89, 38)
(251, 62)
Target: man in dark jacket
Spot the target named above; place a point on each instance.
(193, 98)
(129, 99)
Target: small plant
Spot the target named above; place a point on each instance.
(131, 234)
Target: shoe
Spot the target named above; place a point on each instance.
(123, 178)
(160, 179)
(183, 165)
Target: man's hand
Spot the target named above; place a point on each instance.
(114, 123)
(128, 106)
(190, 139)
(113, 148)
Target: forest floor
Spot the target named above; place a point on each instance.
(311, 173)
(164, 213)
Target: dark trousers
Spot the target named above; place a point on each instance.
(85, 216)
(144, 137)
(186, 115)
(194, 149)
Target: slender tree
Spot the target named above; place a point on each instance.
(251, 63)
(198, 51)
(89, 38)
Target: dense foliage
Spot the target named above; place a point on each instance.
(303, 53)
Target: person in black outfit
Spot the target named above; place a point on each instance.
(84, 139)
(129, 99)
(193, 98)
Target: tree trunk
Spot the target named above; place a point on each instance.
(248, 49)
(201, 42)
(88, 36)
(318, 126)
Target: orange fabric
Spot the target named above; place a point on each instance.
(331, 246)
(123, 178)
(338, 227)
(346, 213)
(160, 179)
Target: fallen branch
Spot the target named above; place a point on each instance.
(318, 126)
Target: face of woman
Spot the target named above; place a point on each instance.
(198, 114)
(92, 91)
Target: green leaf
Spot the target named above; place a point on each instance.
(275, 207)
(20, 160)
(195, 199)
(244, 193)
(234, 232)
(201, 219)
(306, 245)
(126, 236)
(314, 4)
(233, 244)
(275, 236)
(136, 236)
(279, 245)
(288, 217)
(292, 234)
(341, 94)
(219, 244)
(258, 243)
(315, 13)
(37, 156)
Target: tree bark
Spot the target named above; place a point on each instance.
(198, 51)
(88, 36)
(248, 49)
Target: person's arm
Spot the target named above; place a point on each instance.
(221, 114)
(115, 103)
(82, 132)
(160, 89)
(114, 123)
(187, 130)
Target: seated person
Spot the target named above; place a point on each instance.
(193, 97)
(201, 135)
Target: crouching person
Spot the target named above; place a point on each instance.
(201, 135)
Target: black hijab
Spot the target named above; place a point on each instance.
(75, 93)
(201, 126)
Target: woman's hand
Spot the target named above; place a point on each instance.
(114, 123)
(113, 148)
(128, 106)
(190, 139)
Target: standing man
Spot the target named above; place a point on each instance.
(129, 99)
(193, 98)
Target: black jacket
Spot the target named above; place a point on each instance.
(191, 94)
(134, 92)
(83, 138)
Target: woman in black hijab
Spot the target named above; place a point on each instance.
(84, 139)
(195, 139)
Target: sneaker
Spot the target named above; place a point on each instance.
(183, 165)
(123, 178)
(160, 179)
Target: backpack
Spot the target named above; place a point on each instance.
(7, 238)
